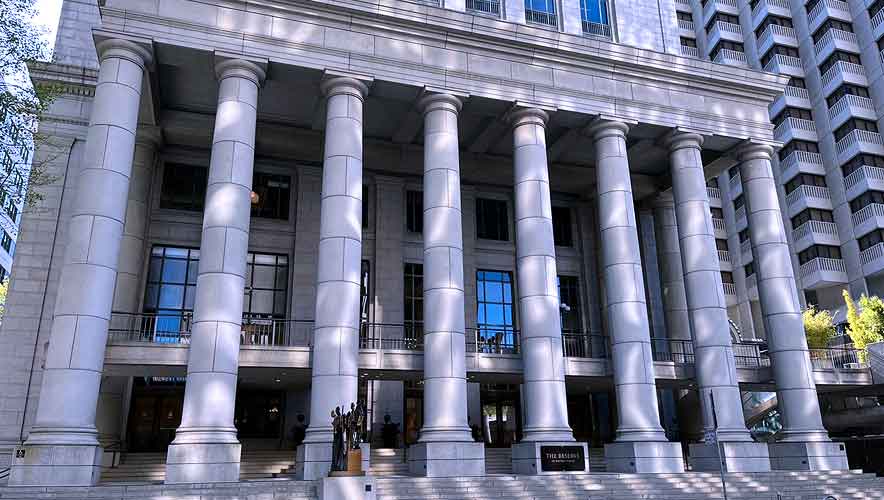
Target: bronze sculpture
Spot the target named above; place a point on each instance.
(347, 434)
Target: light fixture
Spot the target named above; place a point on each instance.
(277, 380)
(254, 197)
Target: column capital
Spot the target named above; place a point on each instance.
(123, 49)
(680, 139)
(334, 85)
(241, 68)
(439, 101)
(603, 127)
(524, 116)
(753, 151)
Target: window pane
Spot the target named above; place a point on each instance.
(172, 296)
(174, 271)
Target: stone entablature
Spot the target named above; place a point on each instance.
(431, 47)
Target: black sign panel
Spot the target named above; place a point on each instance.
(562, 458)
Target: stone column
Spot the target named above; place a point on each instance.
(336, 327)
(805, 443)
(205, 448)
(545, 401)
(678, 324)
(716, 370)
(641, 444)
(62, 448)
(446, 446)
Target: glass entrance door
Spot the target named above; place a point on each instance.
(501, 415)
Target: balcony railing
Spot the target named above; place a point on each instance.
(782, 4)
(867, 212)
(724, 256)
(168, 328)
(863, 173)
(746, 247)
(815, 227)
(856, 136)
(794, 123)
(541, 17)
(690, 51)
(491, 7)
(740, 213)
(493, 340)
(878, 19)
(713, 193)
(727, 55)
(842, 67)
(822, 264)
(817, 10)
(712, 5)
(752, 281)
(735, 183)
(796, 92)
(775, 30)
(684, 3)
(831, 36)
(806, 191)
(782, 60)
(578, 345)
(845, 357)
(391, 336)
(872, 253)
(718, 224)
(800, 156)
(729, 289)
(686, 25)
(727, 27)
(848, 103)
(596, 29)
(681, 352)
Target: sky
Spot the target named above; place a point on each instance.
(47, 16)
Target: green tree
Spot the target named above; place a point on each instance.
(4, 287)
(818, 327)
(21, 106)
(865, 324)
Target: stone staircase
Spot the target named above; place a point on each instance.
(687, 486)
(252, 489)
(151, 467)
(498, 461)
(388, 462)
(597, 460)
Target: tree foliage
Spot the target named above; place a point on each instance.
(4, 287)
(818, 327)
(866, 323)
(21, 106)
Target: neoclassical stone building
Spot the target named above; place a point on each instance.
(489, 221)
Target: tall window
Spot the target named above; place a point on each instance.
(184, 187)
(271, 196)
(171, 288)
(414, 211)
(365, 298)
(561, 219)
(266, 292)
(492, 222)
(594, 16)
(414, 301)
(541, 12)
(6, 242)
(494, 291)
(569, 296)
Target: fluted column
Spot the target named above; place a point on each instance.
(714, 362)
(805, 442)
(641, 443)
(128, 289)
(336, 328)
(205, 446)
(62, 448)
(446, 446)
(678, 325)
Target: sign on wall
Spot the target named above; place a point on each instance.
(562, 459)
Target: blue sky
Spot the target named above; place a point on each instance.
(47, 16)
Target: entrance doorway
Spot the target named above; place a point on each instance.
(155, 414)
(501, 415)
(414, 411)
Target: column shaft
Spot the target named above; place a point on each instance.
(787, 344)
(546, 405)
(678, 323)
(72, 370)
(205, 446)
(714, 363)
(336, 329)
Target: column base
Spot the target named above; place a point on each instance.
(347, 488)
(447, 459)
(55, 465)
(739, 456)
(809, 455)
(202, 463)
(644, 457)
(313, 460)
(550, 457)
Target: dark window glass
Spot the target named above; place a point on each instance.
(569, 296)
(875, 8)
(743, 235)
(725, 44)
(797, 82)
(721, 244)
(727, 277)
(772, 20)
(854, 124)
(739, 201)
(271, 196)
(859, 160)
(778, 50)
(733, 171)
(749, 269)
(716, 212)
(184, 187)
(809, 214)
(865, 199)
(365, 292)
(561, 219)
(798, 145)
(801, 113)
(721, 16)
(688, 42)
(6, 243)
(171, 289)
(266, 291)
(492, 222)
(871, 239)
(836, 56)
(414, 301)
(818, 251)
(844, 90)
(414, 211)
(830, 24)
(684, 16)
(804, 180)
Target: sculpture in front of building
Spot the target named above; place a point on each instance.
(346, 455)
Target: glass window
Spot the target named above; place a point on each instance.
(861, 160)
(739, 201)
(871, 239)
(414, 211)
(541, 12)
(865, 199)
(6, 243)
(688, 42)
(414, 301)
(716, 212)
(800, 113)
(810, 214)
(721, 244)
(875, 7)
(184, 187)
(798, 145)
(271, 196)
(492, 222)
(749, 269)
(804, 180)
(721, 17)
(727, 277)
(743, 235)
(596, 12)
(569, 297)
(266, 287)
(171, 288)
(819, 251)
(838, 55)
(854, 124)
(561, 219)
(844, 90)
(365, 292)
(494, 293)
(778, 50)
(830, 24)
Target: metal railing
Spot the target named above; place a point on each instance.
(798, 93)
(541, 17)
(850, 101)
(782, 60)
(492, 340)
(775, 30)
(822, 264)
(872, 253)
(735, 183)
(484, 6)
(729, 288)
(805, 191)
(878, 19)
(579, 345)
(713, 192)
(865, 172)
(279, 332)
(740, 213)
(845, 357)
(815, 227)
(713, 5)
(726, 56)
(684, 3)
(158, 328)
(867, 212)
(817, 10)
(746, 247)
(391, 336)
(690, 51)
(782, 4)
(857, 136)
(596, 29)
(796, 157)
(684, 24)
(829, 38)
(842, 67)
(718, 224)
(724, 256)
(794, 123)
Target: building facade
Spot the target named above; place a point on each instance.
(16, 168)
(495, 223)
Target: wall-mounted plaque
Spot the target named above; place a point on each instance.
(562, 459)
